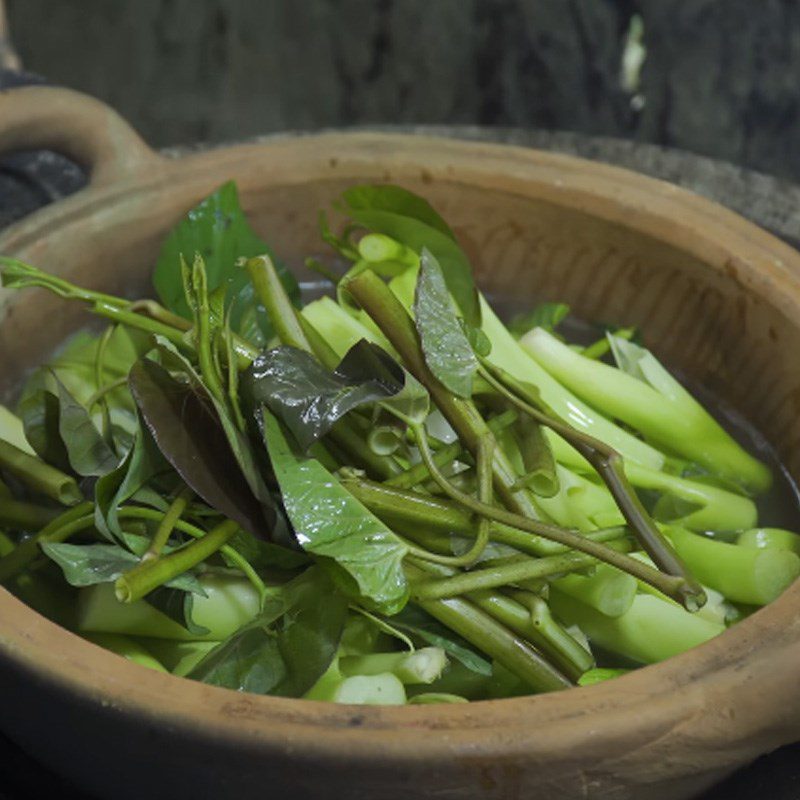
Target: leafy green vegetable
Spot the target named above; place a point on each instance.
(190, 436)
(266, 555)
(218, 230)
(142, 465)
(330, 523)
(448, 352)
(409, 219)
(177, 604)
(61, 430)
(39, 411)
(88, 564)
(644, 395)
(287, 647)
(86, 449)
(546, 315)
(238, 441)
(397, 200)
(309, 399)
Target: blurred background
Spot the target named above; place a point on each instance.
(715, 77)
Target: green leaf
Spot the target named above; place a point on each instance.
(287, 647)
(398, 200)
(191, 437)
(265, 555)
(409, 219)
(140, 467)
(39, 411)
(309, 399)
(478, 340)
(61, 430)
(447, 351)
(75, 368)
(218, 230)
(430, 631)
(544, 315)
(87, 451)
(537, 458)
(88, 564)
(239, 443)
(331, 523)
(178, 605)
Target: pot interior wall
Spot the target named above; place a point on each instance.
(700, 320)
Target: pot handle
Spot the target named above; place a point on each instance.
(75, 125)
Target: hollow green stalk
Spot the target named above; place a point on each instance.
(610, 467)
(607, 589)
(157, 312)
(18, 275)
(742, 574)
(270, 292)
(388, 313)
(776, 538)
(421, 666)
(67, 524)
(151, 573)
(418, 513)
(493, 638)
(21, 516)
(122, 316)
(38, 475)
(500, 575)
(653, 629)
(653, 403)
(197, 290)
(539, 628)
(233, 556)
(167, 524)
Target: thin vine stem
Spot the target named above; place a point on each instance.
(484, 467)
(610, 466)
(670, 585)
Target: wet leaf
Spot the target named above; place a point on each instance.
(191, 437)
(142, 465)
(330, 523)
(309, 399)
(387, 197)
(411, 220)
(87, 451)
(218, 230)
(447, 350)
(88, 564)
(287, 647)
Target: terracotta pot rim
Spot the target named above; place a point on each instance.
(713, 233)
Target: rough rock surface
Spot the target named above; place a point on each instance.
(719, 78)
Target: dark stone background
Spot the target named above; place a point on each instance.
(720, 77)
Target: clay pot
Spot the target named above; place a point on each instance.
(715, 296)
